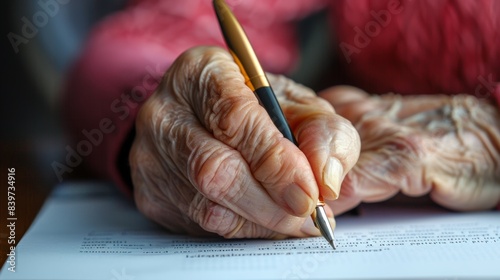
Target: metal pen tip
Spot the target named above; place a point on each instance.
(332, 243)
(323, 224)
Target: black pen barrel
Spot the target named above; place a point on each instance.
(268, 100)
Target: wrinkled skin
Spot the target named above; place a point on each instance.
(208, 159)
(444, 146)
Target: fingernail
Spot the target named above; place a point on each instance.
(308, 228)
(298, 200)
(332, 176)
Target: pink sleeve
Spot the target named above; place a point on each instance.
(103, 95)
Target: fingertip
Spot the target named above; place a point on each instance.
(332, 175)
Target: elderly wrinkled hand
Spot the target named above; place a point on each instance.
(208, 159)
(447, 146)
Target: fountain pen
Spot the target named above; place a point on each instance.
(240, 48)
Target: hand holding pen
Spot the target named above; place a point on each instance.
(207, 157)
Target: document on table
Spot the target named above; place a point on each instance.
(87, 231)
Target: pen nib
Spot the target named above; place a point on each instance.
(321, 222)
(332, 243)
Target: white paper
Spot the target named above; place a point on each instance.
(87, 231)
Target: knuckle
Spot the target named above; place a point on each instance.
(407, 145)
(241, 123)
(213, 217)
(400, 154)
(232, 118)
(388, 164)
(196, 55)
(289, 91)
(218, 219)
(404, 154)
(345, 140)
(273, 164)
(192, 74)
(349, 129)
(158, 116)
(216, 174)
(201, 61)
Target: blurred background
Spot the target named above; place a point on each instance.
(40, 40)
(35, 60)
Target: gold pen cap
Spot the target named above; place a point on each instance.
(240, 47)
